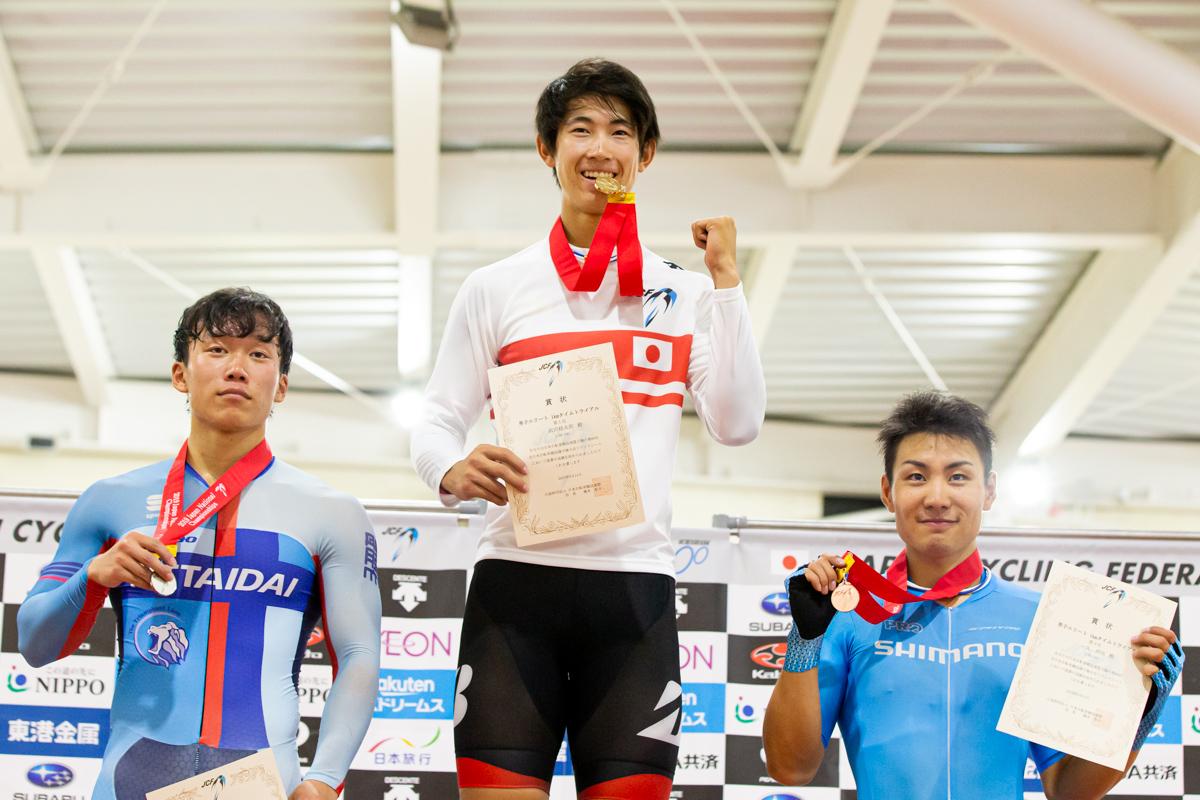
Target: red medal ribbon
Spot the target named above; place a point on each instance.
(173, 525)
(892, 589)
(618, 228)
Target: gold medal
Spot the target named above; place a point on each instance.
(609, 185)
(845, 597)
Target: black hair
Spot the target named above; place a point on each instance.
(937, 413)
(239, 313)
(605, 80)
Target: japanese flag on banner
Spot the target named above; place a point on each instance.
(784, 562)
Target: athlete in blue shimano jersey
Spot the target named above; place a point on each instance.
(208, 674)
(918, 695)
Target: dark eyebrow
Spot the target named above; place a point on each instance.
(580, 118)
(958, 464)
(920, 464)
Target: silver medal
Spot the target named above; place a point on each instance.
(164, 588)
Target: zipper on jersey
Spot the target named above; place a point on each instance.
(949, 662)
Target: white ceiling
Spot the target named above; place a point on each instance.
(317, 75)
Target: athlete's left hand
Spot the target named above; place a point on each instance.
(313, 790)
(717, 237)
(1152, 644)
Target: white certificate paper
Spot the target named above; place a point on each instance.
(1077, 688)
(254, 777)
(563, 415)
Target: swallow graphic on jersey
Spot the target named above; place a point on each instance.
(657, 302)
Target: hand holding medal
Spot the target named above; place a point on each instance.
(135, 559)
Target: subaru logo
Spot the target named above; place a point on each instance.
(50, 775)
(781, 797)
(777, 604)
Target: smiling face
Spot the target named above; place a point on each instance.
(231, 382)
(596, 138)
(938, 492)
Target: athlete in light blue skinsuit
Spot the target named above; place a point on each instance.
(209, 673)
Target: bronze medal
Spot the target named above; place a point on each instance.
(845, 597)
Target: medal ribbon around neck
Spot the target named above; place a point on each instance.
(871, 584)
(618, 229)
(174, 525)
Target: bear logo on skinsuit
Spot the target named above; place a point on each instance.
(159, 637)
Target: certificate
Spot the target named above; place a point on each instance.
(254, 777)
(563, 415)
(1077, 688)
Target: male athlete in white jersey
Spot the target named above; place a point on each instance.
(579, 634)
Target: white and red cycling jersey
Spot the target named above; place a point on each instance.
(681, 335)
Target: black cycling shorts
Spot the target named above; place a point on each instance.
(551, 649)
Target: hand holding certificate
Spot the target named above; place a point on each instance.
(564, 417)
(1077, 687)
(254, 777)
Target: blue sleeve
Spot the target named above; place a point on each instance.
(351, 611)
(1043, 756)
(61, 608)
(832, 673)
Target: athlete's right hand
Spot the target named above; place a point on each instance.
(811, 608)
(480, 473)
(130, 560)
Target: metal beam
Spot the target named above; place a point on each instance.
(771, 268)
(1111, 307)
(1156, 84)
(18, 137)
(837, 82)
(78, 322)
(416, 109)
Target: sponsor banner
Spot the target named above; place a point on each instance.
(21, 572)
(702, 556)
(703, 708)
(53, 731)
(702, 657)
(392, 744)
(306, 739)
(364, 784)
(84, 681)
(31, 524)
(745, 706)
(700, 606)
(1166, 566)
(759, 610)
(781, 793)
(701, 760)
(1158, 771)
(425, 541)
(315, 652)
(419, 643)
(685, 792)
(313, 688)
(41, 778)
(756, 659)
(423, 594)
(415, 694)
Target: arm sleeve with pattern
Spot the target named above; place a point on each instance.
(351, 612)
(725, 373)
(61, 608)
(457, 391)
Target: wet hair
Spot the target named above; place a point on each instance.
(938, 413)
(236, 312)
(606, 81)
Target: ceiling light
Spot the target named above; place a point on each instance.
(429, 23)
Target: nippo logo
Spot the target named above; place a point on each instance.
(50, 775)
(770, 655)
(18, 681)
